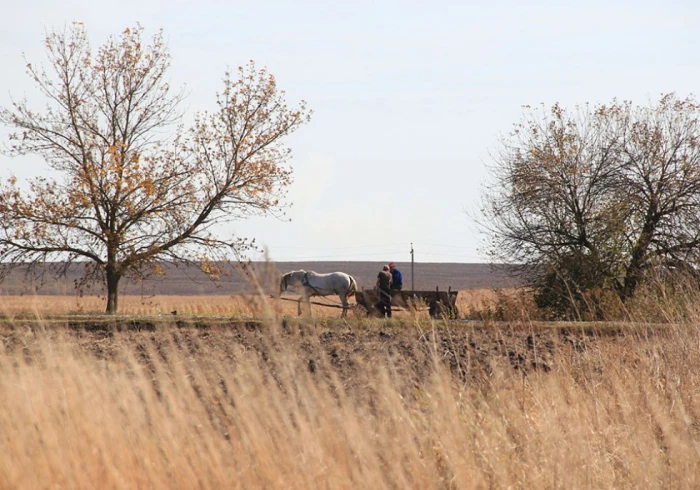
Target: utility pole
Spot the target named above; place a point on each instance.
(413, 286)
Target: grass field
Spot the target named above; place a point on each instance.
(263, 399)
(209, 305)
(367, 404)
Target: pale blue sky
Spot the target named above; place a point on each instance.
(409, 97)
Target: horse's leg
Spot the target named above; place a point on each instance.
(308, 303)
(299, 304)
(344, 300)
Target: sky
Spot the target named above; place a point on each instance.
(410, 98)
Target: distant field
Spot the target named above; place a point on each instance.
(189, 292)
(192, 282)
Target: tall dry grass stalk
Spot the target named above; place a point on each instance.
(193, 408)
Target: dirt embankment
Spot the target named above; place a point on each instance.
(469, 351)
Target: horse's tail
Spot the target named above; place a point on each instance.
(352, 289)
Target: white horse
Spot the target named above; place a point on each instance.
(314, 284)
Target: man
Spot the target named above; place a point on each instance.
(384, 290)
(396, 277)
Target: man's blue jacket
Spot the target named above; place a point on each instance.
(396, 277)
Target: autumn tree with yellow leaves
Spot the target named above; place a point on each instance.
(133, 186)
(597, 200)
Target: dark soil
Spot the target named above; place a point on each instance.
(469, 350)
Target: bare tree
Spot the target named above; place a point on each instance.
(135, 186)
(597, 197)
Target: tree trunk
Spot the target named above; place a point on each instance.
(112, 290)
(639, 256)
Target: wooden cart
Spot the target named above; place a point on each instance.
(440, 303)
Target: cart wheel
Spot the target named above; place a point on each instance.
(434, 309)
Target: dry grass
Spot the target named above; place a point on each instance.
(287, 405)
(183, 408)
(223, 305)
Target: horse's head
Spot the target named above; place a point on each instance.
(294, 279)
